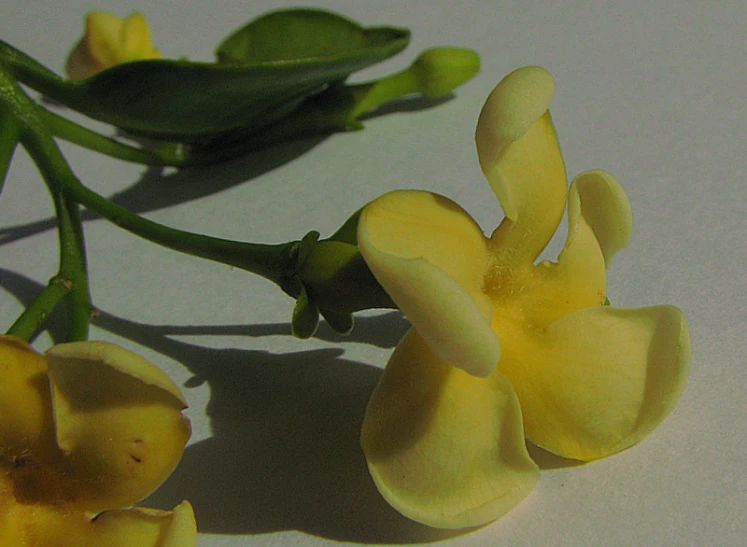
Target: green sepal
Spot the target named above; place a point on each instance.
(348, 232)
(341, 323)
(305, 316)
(305, 246)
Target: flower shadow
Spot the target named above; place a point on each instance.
(284, 454)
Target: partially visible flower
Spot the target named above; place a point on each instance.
(85, 432)
(108, 41)
(501, 345)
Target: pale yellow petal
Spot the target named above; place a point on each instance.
(599, 224)
(26, 422)
(136, 39)
(430, 256)
(601, 202)
(520, 156)
(599, 380)
(418, 224)
(120, 359)
(118, 421)
(143, 527)
(103, 36)
(445, 448)
(49, 525)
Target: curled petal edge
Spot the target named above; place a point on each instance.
(146, 527)
(419, 224)
(455, 324)
(602, 202)
(119, 359)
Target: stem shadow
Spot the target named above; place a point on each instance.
(156, 190)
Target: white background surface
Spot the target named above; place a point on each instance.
(652, 91)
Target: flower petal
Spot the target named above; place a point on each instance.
(601, 203)
(25, 525)
(136, 39)
(118, 421)
(103, 36)
(599, 380)
(144, 527)
(26, 422)
(445, 448)
(520, 156)
(430, 256)
(599, 224)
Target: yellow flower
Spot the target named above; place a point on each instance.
(497, 337)
(85, 432)
(110, 41)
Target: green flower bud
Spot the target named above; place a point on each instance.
(440, 70)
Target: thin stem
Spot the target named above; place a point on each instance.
(33, 317)
(10, 132)
(165, 154)
(37, 140)
(372, 95)
(269, 261)
(73, 270)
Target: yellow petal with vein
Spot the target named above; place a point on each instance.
(119, 422)
(445, 448)
(599, 380)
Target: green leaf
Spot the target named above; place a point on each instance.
(267, 69)
(290, 35)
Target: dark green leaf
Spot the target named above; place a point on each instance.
(290, 35)
(193, 102)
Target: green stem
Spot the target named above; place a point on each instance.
(72, 274)
(32, 73)
(272, 262)
(10, 132)
(33, 317)
(372, 95)
(73, 271)
(166, 154)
